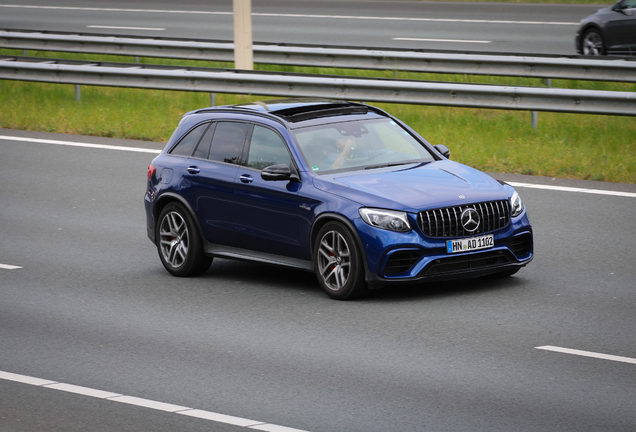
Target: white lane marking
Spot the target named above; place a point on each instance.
(588, 354)
(146, 403)
(85, 391)
(79, 144)
(445, 20)
(125, 28)
(573, 189)
(143, 150)
(441, 40)
(221, 418)
(9, 267)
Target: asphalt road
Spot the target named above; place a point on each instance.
(90, 305)
(475, 27)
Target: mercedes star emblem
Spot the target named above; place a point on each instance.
(470, 220)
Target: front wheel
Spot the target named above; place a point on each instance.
(338, 263)
(592, 43)
(179, 244)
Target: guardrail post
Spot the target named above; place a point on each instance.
(78, 93)
(534, 114)
(212, 99)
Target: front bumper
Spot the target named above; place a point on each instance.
(411, 257)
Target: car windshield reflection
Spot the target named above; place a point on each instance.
(362, 144)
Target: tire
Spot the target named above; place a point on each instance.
(592, 43)
(338, 263)
(178, 242)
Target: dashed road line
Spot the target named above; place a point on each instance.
(442, 40)
(9, 267)
(588, 354)
(125, 28)
(280, 15)
(147, 403)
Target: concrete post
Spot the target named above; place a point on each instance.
(243, 57)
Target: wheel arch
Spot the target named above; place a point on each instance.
(587, 28)
(169, 198)
(325, 218)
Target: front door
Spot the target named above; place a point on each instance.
(267, 211)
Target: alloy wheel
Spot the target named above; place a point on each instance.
(593, 43)
(174, 239)
(334, 260)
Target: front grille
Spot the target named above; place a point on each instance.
(446, 222)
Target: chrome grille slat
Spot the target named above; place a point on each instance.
(456, 221)
(446, 222)
(449, 224)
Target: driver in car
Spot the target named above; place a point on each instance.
(346, 148)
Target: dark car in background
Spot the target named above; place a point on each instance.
(611, 30)
(338, 188)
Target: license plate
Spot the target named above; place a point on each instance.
(470, 244)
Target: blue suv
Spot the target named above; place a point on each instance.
(341, 189)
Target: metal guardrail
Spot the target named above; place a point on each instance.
(551, 67)
(304, 85)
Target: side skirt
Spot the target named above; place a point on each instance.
(229, 252)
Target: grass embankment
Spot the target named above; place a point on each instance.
(564, 145)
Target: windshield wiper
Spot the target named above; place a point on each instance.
(386, 165)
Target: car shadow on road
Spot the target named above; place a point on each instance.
(263, 274)
(433, 290)
(305, 282)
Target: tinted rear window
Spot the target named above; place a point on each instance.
(228, 141)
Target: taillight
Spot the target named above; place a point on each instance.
(151, 171)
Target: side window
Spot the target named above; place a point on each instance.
(189, 142)
(203, 149)
(267, 148)
(228, 141)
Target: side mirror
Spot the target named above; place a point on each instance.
(443, 150)
(620, 7)
(278, 172)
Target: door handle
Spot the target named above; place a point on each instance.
(246, 178)
(194, 170)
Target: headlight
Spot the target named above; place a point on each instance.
(386, 219)
(516, 204)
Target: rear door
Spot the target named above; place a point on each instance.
(208, 181)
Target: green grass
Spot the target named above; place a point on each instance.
(564, 145)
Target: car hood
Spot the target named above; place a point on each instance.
(595, 16)
(414, 188)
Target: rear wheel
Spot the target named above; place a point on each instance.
(592, 43)
(338, 263)
(178, 243)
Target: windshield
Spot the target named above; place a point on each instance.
(361, 144)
